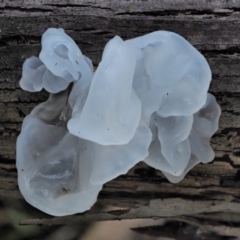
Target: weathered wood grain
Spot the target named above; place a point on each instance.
(212, 26)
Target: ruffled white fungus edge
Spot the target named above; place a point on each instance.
(51, 174)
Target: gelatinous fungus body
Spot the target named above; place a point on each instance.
(147, 101)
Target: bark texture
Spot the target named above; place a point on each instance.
(209, 197)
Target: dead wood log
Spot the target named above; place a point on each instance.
(212, 26)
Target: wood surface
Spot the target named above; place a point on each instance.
(209, 196)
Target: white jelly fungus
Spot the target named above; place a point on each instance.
(147, 101)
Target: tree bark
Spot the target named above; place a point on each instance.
(212, 26)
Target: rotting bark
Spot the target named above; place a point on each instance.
(213, 27)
